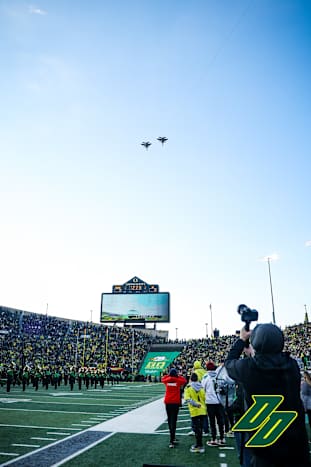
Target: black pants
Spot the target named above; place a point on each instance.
(172, 414)
(214, 412)
(71, 382)
(228, 418)
(197, 425)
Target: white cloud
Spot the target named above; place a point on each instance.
(308, 243)
(36, 11)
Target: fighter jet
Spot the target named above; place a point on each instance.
(162, 139)
(146, 144)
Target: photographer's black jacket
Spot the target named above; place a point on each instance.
(274, 373)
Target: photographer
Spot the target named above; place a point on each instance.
(269, 371)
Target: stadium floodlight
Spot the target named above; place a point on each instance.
(268, 259)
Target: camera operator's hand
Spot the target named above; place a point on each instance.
(249, 351)
(245, 335)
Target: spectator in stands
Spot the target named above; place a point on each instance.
(172, 400)
(195, 398)
(306, 395)
(268, 371)
(213, 405)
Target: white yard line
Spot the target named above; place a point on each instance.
(39, 427)
(49, 411)
(13, 454)
(78, 403)
(43, 439)
(85, 425)
(27, 445)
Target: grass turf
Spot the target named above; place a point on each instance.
(58, 414)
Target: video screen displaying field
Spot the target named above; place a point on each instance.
(148, 307)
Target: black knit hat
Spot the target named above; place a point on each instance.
(173, 372)
(267, 339)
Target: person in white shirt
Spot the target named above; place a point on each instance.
(213, 405)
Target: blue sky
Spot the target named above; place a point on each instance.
(84, 206)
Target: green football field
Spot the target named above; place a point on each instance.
(37, 422)
(59, 427)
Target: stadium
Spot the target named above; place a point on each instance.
(75, 392)
(168, 139)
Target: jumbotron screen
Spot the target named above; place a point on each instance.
(148, 307)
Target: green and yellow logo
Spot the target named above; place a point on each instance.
(263, 417)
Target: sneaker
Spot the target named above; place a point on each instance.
(171, 445)
(222, 442)
(230, 434)
(191, 433)
(212, 443)
(199, 449)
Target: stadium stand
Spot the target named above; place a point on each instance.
(57, 349)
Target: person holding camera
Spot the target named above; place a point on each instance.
(269, 371)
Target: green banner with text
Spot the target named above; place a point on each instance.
(155, 363)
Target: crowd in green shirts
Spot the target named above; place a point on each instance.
(42, 350)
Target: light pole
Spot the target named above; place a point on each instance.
(206, 330)
(133, 344)
(306, 315)
(176, 332)
(268, 259)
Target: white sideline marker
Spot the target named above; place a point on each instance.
(9, 454)
(81, 424)
(43, 439)
(27, 445)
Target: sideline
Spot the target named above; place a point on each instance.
(145, 419)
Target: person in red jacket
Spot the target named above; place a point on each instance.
(172, 400)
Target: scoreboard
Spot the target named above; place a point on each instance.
(135, 300)
(135, 285)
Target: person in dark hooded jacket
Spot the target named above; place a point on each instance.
(269, 371)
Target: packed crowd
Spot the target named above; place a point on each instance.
(297, 342)
(47, 344)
